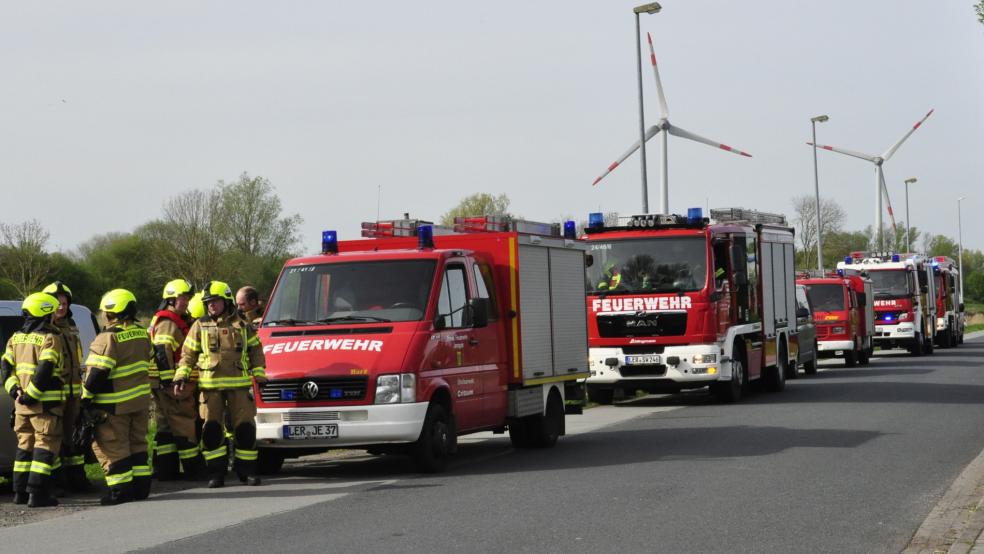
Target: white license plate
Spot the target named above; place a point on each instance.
(638, 359)
(315, 431)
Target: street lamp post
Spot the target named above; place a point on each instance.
(645, 8)
(909, 181)
(960, 248)
(816, 188)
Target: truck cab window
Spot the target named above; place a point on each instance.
(453, 297)
(486, 287)
(720, 264)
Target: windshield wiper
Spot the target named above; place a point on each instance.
(340, 318)
(287, 321)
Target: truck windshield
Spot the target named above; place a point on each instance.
(627, 266)
(351, 292)
(826, 298)
(890, 283)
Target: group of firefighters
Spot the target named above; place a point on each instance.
(196, 362)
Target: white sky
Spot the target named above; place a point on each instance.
(111, 108)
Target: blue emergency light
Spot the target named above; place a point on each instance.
(425, 236)
(694, 216)
(840, 272)
(895, 257)
(329, 242)
(288, 394)
(570, 230)
(848, 260)
(888, 317)
(596, 220)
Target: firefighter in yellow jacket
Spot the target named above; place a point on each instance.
(225, 349)
(177, 443)
(72, 458)
(33, 373)
(116, 392)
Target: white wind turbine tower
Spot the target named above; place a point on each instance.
(880, 188)
(667, 128)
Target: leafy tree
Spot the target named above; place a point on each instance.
(939, 245)
(250, 218)
(831, 220)
(914, 234)
(979, 8)
(839, 244)
(24, 263)
(122, 260)
(477, 204)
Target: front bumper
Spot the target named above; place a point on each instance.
(357, 425)
(609, 367)
(902, 331)
(833, 345)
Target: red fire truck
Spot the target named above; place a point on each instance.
(682, 303)
(949, 305)
(399, 344)
(905, 292)
(844, 315)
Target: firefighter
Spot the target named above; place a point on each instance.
(177, 445)
(72, 457)
(225, 349)
(612, 278)
(248, 301)
(116, 394)
(33, 373)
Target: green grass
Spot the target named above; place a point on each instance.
(973, 308)
(974, 327)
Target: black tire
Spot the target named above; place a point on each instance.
(520, 434)
(850, 358)
(431, 451)
(731, 391)
(928, 346)
(269, 461)
(776, 377)
(810, 367)
(864, 356)
(954, 340)
(792, 369)
(600, 395)
(540, 430)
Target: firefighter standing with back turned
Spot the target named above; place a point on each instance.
(116, 394)
(33, 372)
(72, 457)
(177, 446)
(229, 357)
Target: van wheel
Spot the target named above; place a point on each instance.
(431, 451)
(731, 391)
(928, 346)
(269, 461)
(777, 376)
(864, 357)
(850, 358)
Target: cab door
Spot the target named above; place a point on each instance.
(486, 349)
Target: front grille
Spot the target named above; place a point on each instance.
(823, 331)
(292, 417)
(646, 370)
(656, 324)
(328, 389)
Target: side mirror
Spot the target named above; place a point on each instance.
(479, 308)
(440, 323)
(802, 312)
(588, 260)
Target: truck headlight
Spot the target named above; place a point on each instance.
(704, 358)
(837, 330)
(393, 389)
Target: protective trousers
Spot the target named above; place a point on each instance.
(72, 458)
(39, 437)
(120, 445)
(177, 441)
(241, 409)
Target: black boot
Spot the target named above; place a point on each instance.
(253, 480)
(38, 484)
(141, 475)
(77, 480)
(166, 458)
(118, 495)
(41, 498)
(216, 481)
(20, 497)
(193, 469)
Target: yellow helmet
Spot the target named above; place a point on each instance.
(216, 289)
(176, 288)
(196, 308)
(56, 288)
(39, 304)
(117, 301)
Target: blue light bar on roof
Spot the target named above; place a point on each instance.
(329, 242)
(570, 230)
(425, 236)
(596, 220)
(694, 216)
(848, 260)
(896, 258)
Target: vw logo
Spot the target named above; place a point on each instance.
(309, 390)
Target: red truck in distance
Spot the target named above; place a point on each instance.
(844, 316)
(399, 344)
(679, 303)
(949, 306)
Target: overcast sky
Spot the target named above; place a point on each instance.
(108, 109)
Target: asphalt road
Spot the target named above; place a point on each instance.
(850, 460)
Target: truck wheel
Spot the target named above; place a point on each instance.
(810, 367)
(731, 391)
(928, 346)
(850, 358)
(916, 348)
(549, 426)
(792, 369)
(431, 451)
(776, 380)
(864, 357)
(269, 461)
(600, 395)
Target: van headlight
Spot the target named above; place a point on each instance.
(705, 358)
(394, 389)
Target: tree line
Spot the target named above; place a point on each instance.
(233, 231)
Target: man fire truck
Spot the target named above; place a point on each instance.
(844, 315)
(904, 288)
(400, 343)
(681, 303)
(949, 305)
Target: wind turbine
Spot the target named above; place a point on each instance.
(667, 128)
(880, 188)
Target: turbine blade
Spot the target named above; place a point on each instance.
(888, 153)
(888, 204)
(650, 133)
(683, 133)
(863, 156)
(663, 110)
